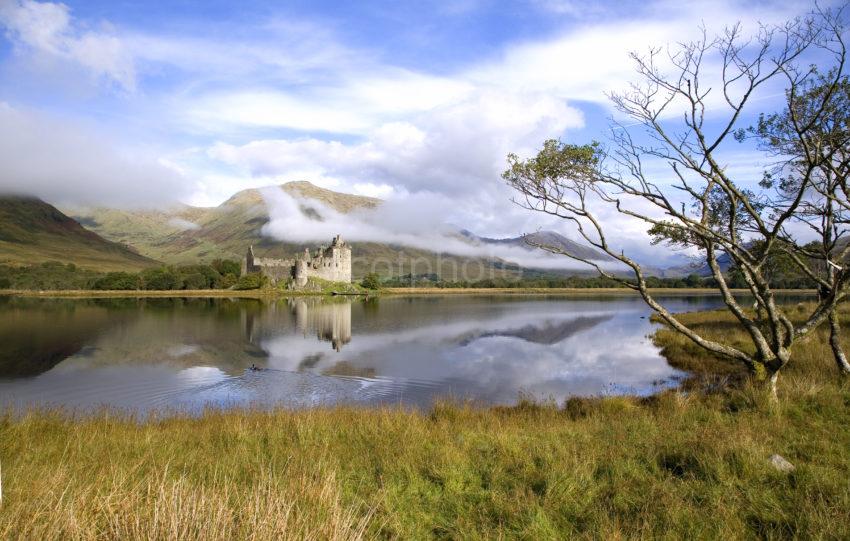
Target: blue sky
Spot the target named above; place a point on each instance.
(142, 103)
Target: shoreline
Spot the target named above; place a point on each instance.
(388, 292)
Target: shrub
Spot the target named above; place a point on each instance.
(227, 266)
(5, 283)
(371, 281)
(250, 281)
(195, 281)
(227, 281)
(117, 281)
(210, 276)
(160, 279)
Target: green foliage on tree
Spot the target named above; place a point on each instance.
(371, 281)
(195, 281)
(50, 275)
(250, 281)
(210, 277)
(162, 279)
(54, 275)
(228, 280)
(5, 283)
(227, 266)
(117, 281)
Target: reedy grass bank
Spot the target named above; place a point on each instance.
(676, 465)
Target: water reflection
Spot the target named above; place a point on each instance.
(331, 321)
(145, 354)
(549, 332)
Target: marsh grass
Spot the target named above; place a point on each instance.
(689, 465)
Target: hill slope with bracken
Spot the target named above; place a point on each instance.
(32, 231)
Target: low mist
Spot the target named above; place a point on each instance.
(411, 221)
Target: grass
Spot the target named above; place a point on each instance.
(812, 363)
(676, 465)
(327, 287)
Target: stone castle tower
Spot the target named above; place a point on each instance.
(331, 263)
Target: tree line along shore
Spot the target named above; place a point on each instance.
(224, 275)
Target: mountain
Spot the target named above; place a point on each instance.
(549, 238)
(185, 234)
(699, 267)
(32, 231)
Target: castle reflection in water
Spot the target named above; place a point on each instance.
(330, 321)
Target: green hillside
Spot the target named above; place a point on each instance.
(186, 234)
(32, 231)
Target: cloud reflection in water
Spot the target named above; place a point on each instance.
(189, 353)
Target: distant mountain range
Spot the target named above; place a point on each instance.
(700, 268)
(185, 234)
(108, 238)
(549, 238)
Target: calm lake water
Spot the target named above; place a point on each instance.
(158, 354)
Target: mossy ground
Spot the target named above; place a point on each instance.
(328, 287)
(679, 465)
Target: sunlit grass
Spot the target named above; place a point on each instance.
(677, 465)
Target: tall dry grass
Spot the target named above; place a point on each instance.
(689, 465)
(105, 478)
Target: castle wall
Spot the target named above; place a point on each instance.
(332, 263)
(276, 269)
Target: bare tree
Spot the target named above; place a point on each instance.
(811, 138)
(700, 204)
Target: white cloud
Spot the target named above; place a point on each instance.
(370, 189)
(454, 149)
(593, 58)
(288, 100)
(452, 138)
(415, 220)
(295, 51)
(184, 225)
(272, 109)
(46, 30)
(66, 163)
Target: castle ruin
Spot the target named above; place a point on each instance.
(331, 263)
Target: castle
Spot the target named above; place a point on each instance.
(332, 263)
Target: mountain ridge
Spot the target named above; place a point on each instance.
(186, 234)
(34, 231)
(527, 241)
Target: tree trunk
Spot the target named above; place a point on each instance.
(774, 378)
(835, 343)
